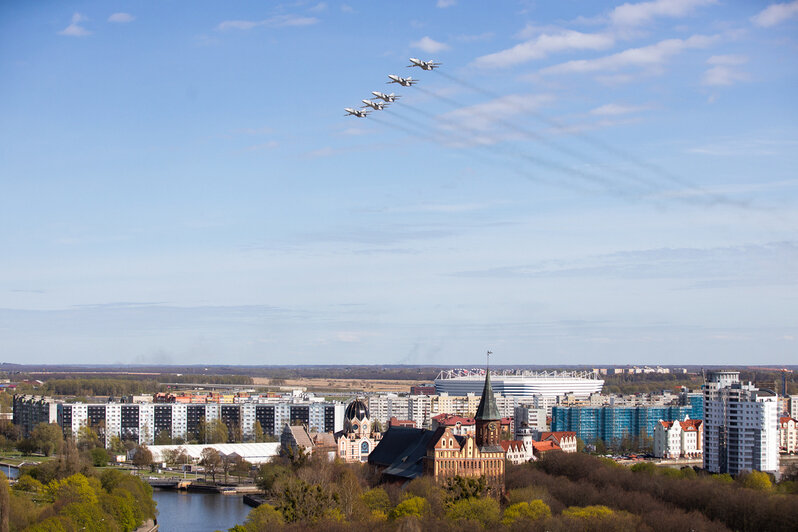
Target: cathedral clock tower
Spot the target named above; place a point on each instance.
(488, 419)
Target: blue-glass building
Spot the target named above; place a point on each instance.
(613, 423)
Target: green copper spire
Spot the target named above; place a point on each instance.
(487, 408)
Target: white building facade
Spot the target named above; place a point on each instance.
(740, 426)
(678, 439)
(788, 435)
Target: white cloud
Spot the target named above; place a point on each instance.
(651, 56)
(615, 109)
(270, 145)
(318, 8)
(446, 3)
(346, 8)
(775, 14)
(729, 59)
(722, 73)
(543, 45)
(644, 12)
(278, 21)
(722, 76)
(429, 45)
(121, 17)
(75, 29)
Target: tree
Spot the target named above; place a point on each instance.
(268, 474)
(240, 467)
(414, 506)
(142, 456)
(300, 501)
(580, 445)
(163, 437)
(484, 510)
(47, 438)
(259, 434)
(601, 447)
(99, 457)
(116, 446)
(87, 438)
(214, 431)
(376, 499)
(756, 480)
(5, 502)
(211, 460)
(466, 487)
(264, 517)
(533, 510)
(29, 484)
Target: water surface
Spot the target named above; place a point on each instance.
(198, 512)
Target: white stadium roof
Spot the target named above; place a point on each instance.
(255, 453)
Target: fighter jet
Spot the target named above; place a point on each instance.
(386, 97)
(426, 65)
(404, 82)
(377, 106)
(356, 112)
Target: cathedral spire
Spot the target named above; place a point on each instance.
(487, 408)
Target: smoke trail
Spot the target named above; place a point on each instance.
(510, 125)
(490, 151)
(544, 163)
(601, 145)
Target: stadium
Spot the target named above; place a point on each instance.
(516, 383)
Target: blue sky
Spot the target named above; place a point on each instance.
(579, 182)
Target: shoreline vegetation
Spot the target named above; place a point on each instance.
(67, 494)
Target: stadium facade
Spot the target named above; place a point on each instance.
(520, 383)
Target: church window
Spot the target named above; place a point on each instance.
(364, 447)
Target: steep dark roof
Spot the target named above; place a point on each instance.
(487, 409)
(401, 452)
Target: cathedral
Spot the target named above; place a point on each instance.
(407, 453)
(357, 440)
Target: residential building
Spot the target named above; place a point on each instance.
(793, 406)
(788, 435)
(612, 424)
(517, 451)
(30, 410)
(678, 439)
(143, 422)
(740, 425)
(565, 440)
(527, 416)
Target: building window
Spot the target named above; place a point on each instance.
(364, 447)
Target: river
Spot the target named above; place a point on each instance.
(198, 512)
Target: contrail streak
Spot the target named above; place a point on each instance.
(490, 151)
(635, 179)
(594, 178)
(598, 143)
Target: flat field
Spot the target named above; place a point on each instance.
(365, 385)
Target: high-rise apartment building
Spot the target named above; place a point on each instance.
(740, 425)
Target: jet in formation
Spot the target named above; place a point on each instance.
(404, 82)
(385, 97)
(356, 112)
(425, 65)
(377, 106)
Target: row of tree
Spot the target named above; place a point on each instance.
(67, 494)
(559, 492)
